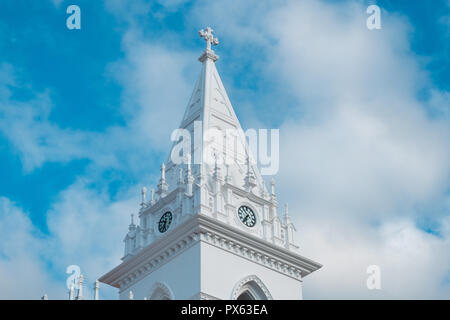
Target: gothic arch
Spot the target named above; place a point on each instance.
(160, 291)
(250, 288)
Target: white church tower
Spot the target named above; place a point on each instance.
(211, 230)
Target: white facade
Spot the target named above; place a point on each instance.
(192, 241)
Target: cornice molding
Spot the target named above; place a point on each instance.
(255, 249)
(211, 231)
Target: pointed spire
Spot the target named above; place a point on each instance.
(209, 97)
(217, 174)
(273, 197)
(96, 290)
(163, 172)
(72, 290)
(287, 218)
(132, 226)
(250, 180)
(144, 196)
(152, 196)
(228, 176)
(163, 187)
(189, 178)
(188, 163)
(264, 190)
(249, 167)
(80, 287)
(226, 161)
(180, 177)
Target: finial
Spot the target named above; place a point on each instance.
(180, 176)
(264, 189)
(189, 177)
(152, 196)
(207, 34)
(72, 290)
(249, 168)
(144, 196)
(80, 287)
(226, 161)
(163, 172)
(273, 197)
(228, 176)
(217, 173)
(96, 290)
(131, 295)
(163, 187)
(132, 219)
(250, 178)
(188, 162)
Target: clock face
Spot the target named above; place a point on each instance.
(164, 222)
(247, 216)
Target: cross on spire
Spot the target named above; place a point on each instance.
(209, 38)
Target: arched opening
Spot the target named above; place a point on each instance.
(160, 291)
(159, 294)
(250, 288)
(246, 295)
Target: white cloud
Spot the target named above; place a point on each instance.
(149, 74)
(413, 264)
(38, 140)
(23, 272)
(87, 228)
(366, 153)
(366, 145)
(356, 168)
(57, 3)
(155, 86)
(365, 156)
(440, 103)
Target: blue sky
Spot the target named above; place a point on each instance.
(86, 116)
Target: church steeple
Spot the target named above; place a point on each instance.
(219, 133)
(211, 207)
(163, 187)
